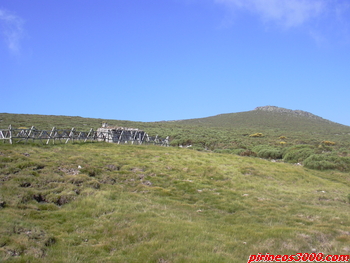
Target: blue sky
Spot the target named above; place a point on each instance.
(153, 60)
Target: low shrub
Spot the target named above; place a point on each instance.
(327, 161)
(322, 148)
(267, 152)
(318, 162)
(328, 143)
(270, 153)
(298, 153)
(256, 135)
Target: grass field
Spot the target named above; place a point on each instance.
(100, 202)
(313, 141)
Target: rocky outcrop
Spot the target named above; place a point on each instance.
(289, 112)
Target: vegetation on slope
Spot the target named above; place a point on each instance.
(267, 132)
(100, 202)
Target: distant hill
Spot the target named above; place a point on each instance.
(260, 117)
(266, 132)
(220, 131)
(270, 117)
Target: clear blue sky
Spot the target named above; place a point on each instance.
(153, 60)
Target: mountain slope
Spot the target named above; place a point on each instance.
(270, 117)
(216, 132)
(265, 117)
(131, 203)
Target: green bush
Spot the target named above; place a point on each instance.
(270, 153)
(319, 162)
(260, 147)
(327, 161)
(328, 143)
(267, 152)
(297, 153)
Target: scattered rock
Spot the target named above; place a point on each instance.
(14, 253)
(347, 249)
(108, 180)
(289, 112)
(70, 171)
(136, 169)
(112, 167)
(147, 183)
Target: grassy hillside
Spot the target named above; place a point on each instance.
(267, 132)
(258, 119)
(100, 202)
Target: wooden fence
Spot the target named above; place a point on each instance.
(120, 136)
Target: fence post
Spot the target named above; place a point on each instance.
(71, 136)
(29, 133)
(87, 137)
(10, 132)
(48, 140)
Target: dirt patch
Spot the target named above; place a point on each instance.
(70, 171)
(113, 167)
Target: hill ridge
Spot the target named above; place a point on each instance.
(288, 111)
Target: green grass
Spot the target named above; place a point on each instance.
(229, 132)
(155, 204)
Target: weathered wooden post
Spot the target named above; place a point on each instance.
(10, 133)
(71, 135)
(120, 136)
(50, 136)
(29, 133)
(87, 137)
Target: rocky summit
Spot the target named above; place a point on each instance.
(288, 111)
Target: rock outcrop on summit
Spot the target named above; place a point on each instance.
(290, 112)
